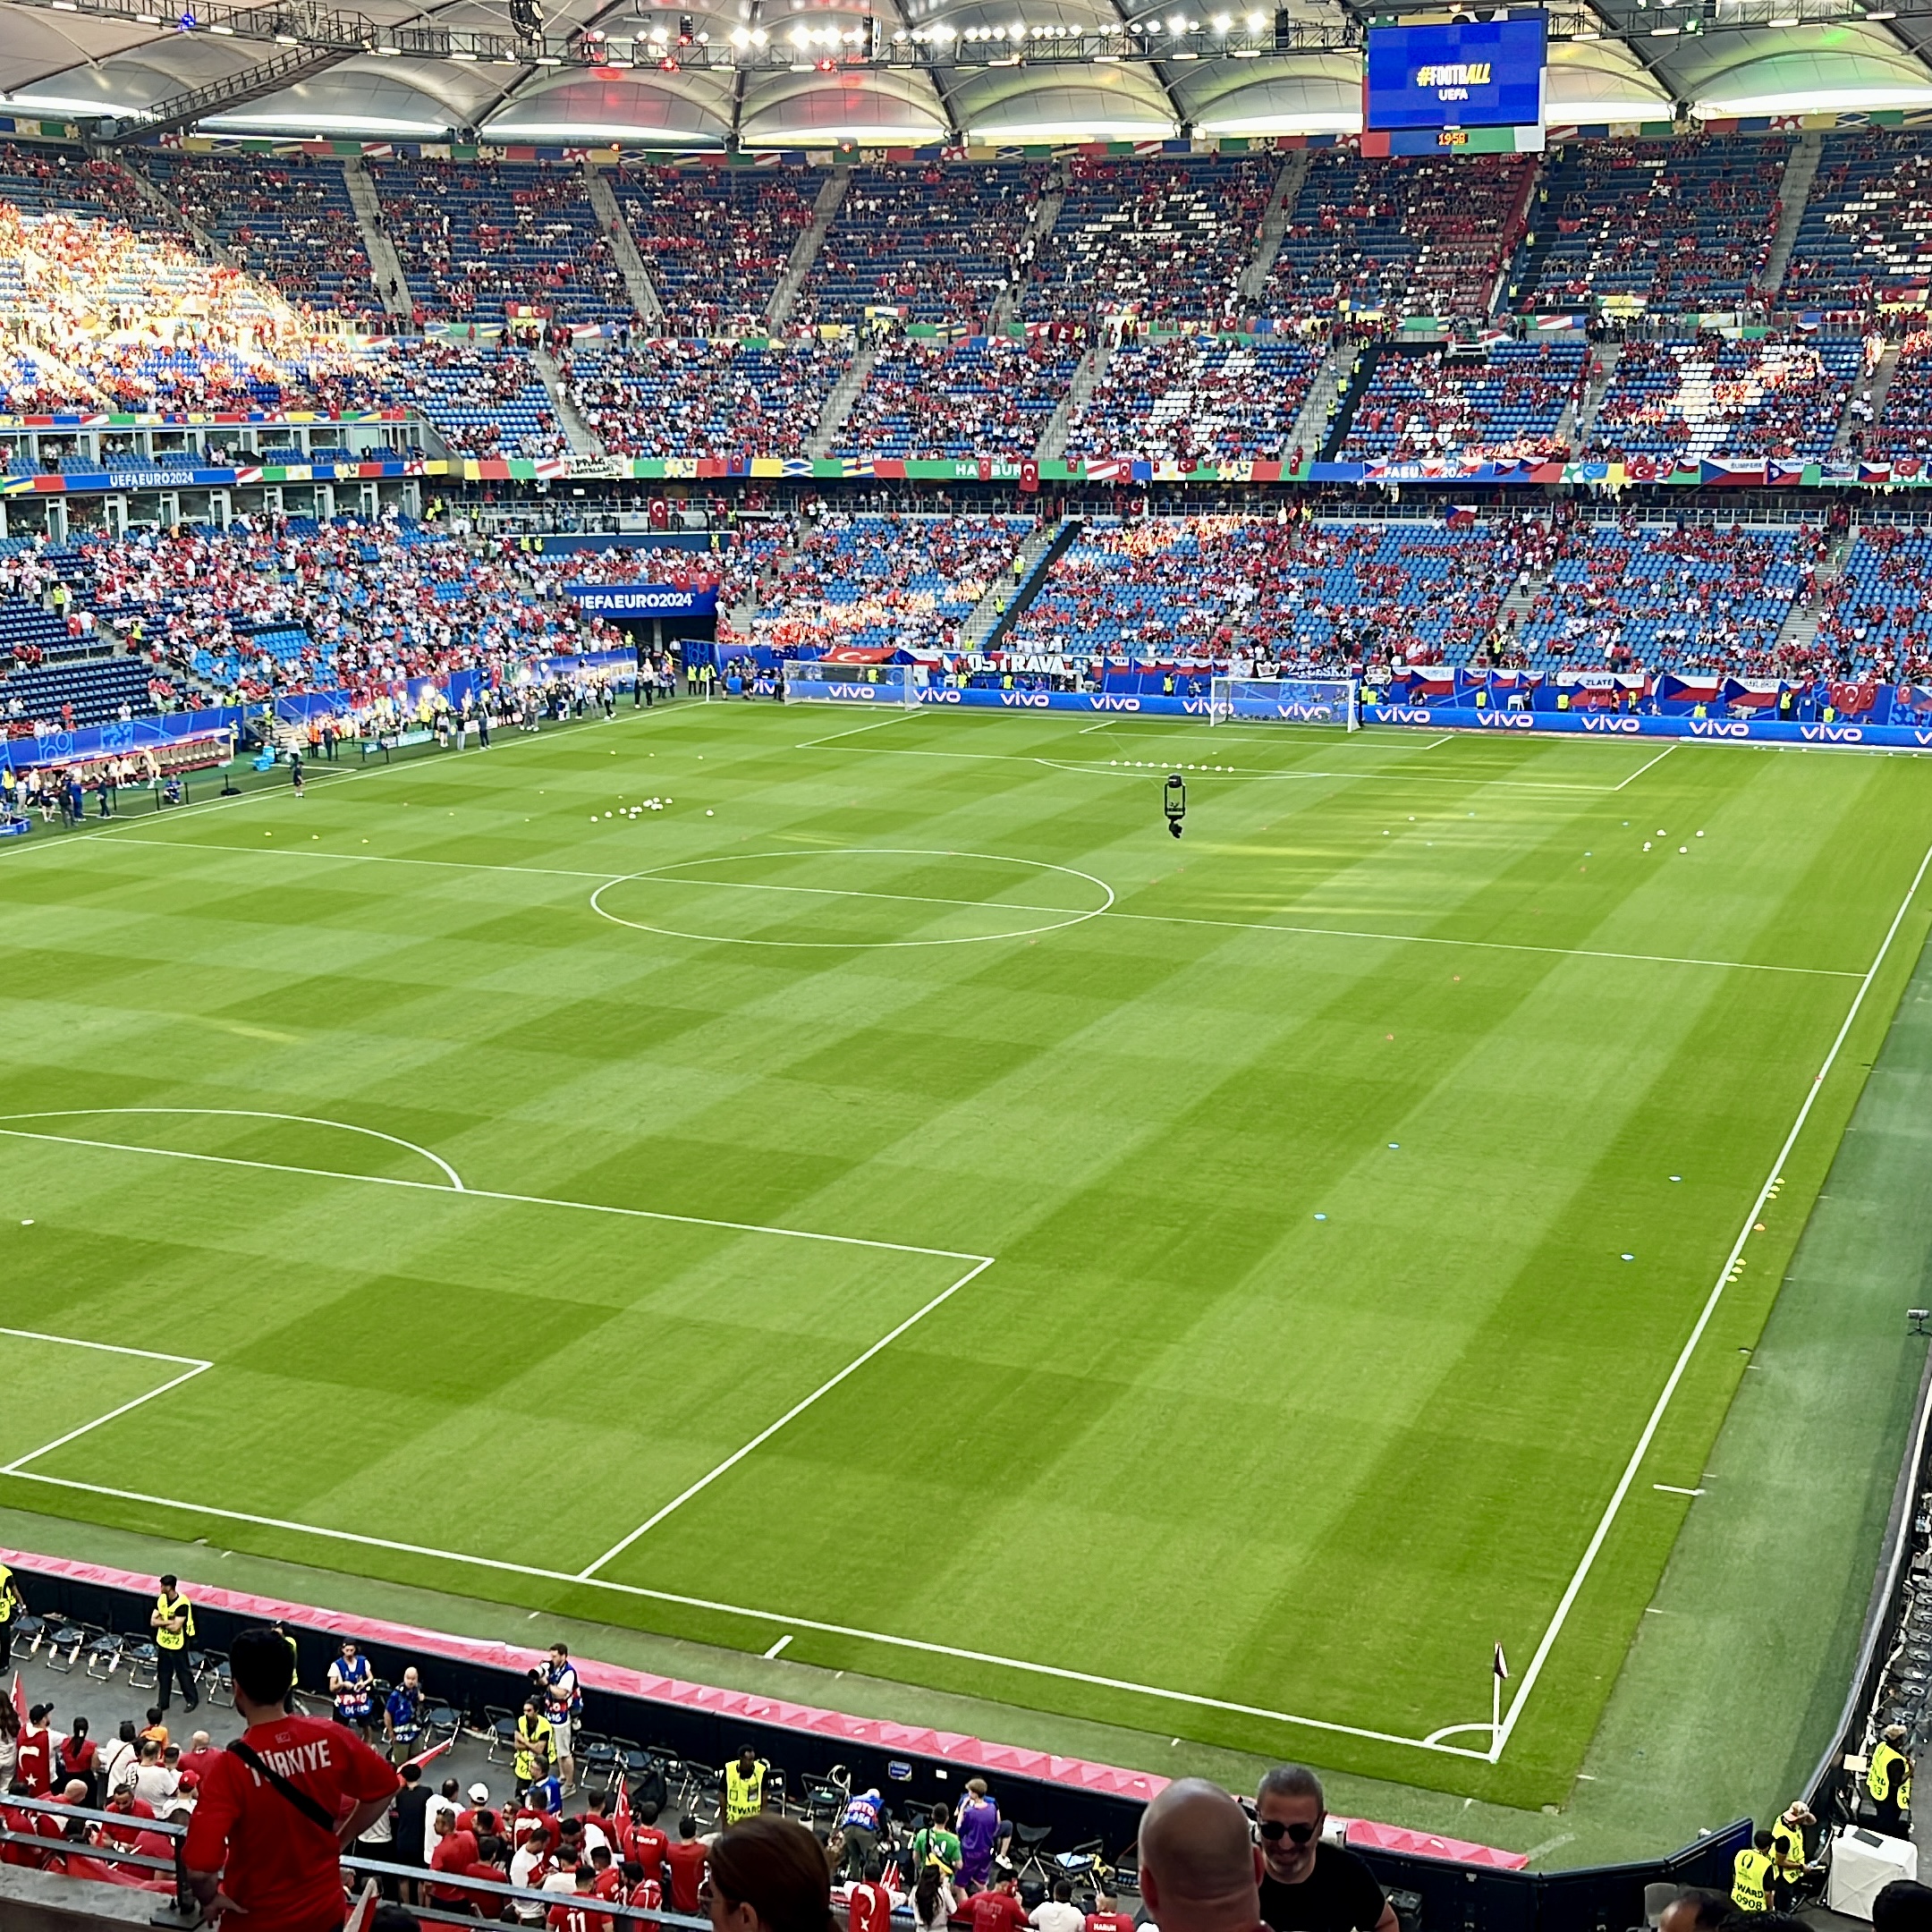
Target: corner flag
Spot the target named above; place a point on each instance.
(1502, 1665)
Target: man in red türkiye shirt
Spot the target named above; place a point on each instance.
(997, 1911)
(250, 1848)
(1106, 1916)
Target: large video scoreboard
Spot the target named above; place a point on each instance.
(1455, 75)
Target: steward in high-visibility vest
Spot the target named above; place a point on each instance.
(531, 1759)
(172, 1620)
(1750, 1876)
(744, 1787)
(12, 1604)
(1889, 1778)
(1788, 1848)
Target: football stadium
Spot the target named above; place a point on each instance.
(1133, 1130)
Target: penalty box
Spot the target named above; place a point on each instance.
(452, 1351)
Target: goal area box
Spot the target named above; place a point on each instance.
(812, 681)
(1286, 701)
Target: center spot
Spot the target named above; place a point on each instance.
(864, 896)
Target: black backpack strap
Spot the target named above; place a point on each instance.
(295, 1795)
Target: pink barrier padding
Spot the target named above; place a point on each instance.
(1426, 1844)
(951, 1747)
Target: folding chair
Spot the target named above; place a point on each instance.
(597, 1758)
(69, 1638)
(143, 1660)
(29, 1631)
(104, 1656)
(499, 1726)
(220, 1680)
(1031, 1840)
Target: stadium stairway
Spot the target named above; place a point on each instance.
(1331, 380)
(1052, 444)
(1347, 398)
(643, 291)
(785, 296)
(838, 405)
(1879, 383)
(1288, 184)
(1794, 192)
(1046, 216)
(1609, 355)
(997, 611)
(583, 441)
(385, 266)
(1800, 628)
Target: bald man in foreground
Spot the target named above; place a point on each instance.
(1201, 1869)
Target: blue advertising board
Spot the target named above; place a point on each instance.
(643, 600)
(1467, 74)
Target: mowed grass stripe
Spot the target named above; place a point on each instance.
(1133, 1117)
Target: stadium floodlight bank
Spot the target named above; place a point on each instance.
(812, 681)
(1286, 701)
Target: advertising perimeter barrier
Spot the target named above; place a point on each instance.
(1451, 1886)
(1456, 717)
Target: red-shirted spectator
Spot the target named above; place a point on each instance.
(640, 1891)
(685, 1863)
(868, 1904)
(575, 1914)
(648, 1841)
(457, 1851)
(33, 1765)
(997, 1909)
(29, 1824)
(274, 1815)
(1106, 1916)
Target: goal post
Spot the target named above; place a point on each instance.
(812, 681)
(1286, 701)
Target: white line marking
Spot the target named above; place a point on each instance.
(1671, 1490)
(765, 1617)
(194, 1365)
(1067, 916)
(662, 877)
(766, 1434)
(1642, 768)
(778, 1648)
(812, 744)
(1491, 945)
(1114, 910)
(492, 1194)
(1710, 1309)
(306, 1120)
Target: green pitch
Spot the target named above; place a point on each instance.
(896, 1203)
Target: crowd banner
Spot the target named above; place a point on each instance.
(644, 599)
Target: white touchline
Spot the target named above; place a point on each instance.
(779, 1619)
(1697, 1332)
(778, 1648)
(191, 1366)
(493, 1194)
(797, 1409)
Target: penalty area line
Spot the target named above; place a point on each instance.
(191, 1366)
(1682, 1363)
(771, 1619)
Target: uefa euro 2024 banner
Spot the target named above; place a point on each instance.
(642, 600)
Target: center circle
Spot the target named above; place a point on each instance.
(853, 898)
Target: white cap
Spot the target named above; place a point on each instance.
(480, 1794)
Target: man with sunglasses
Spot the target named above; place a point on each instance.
(1310, 1886)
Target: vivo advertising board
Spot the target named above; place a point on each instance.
(1467, 74)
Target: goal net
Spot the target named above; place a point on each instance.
(811, 681)
(1286, 701)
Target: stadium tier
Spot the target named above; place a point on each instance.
(1875, 620)
(1511, 400)
(885, 582)
(930, 243)
(1866, 235)
(477, 238)
(683, 397)
(482, 402)
(1673, 227)
(1694, 399)
(1195, 399)
(1157, 240)
(714, 240)
(988, 396)
(289, 220)
(1412, 237)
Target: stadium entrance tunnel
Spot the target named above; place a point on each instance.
(242, 1136)
(858, 897)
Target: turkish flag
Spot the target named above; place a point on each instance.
(1029, 475)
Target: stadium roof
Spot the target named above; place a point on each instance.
(793, 74)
